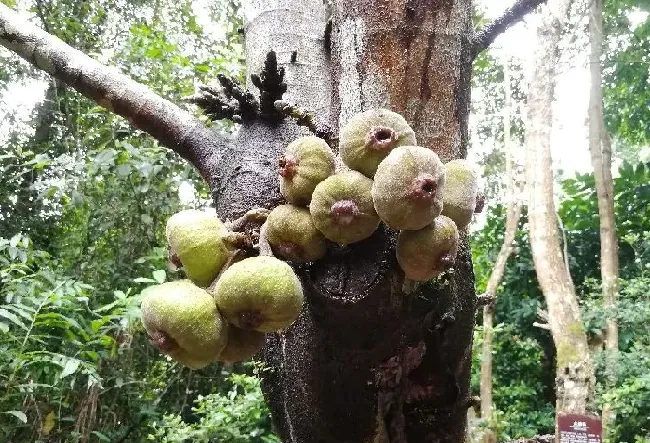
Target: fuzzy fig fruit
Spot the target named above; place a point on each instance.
(306, 162)
(407, 191)
(342, 208)
(195, 243)
(368, 137)
(461, 191)
(182, 320)
(242, 345)
(293, 236)
(428, 252)
(259, 293)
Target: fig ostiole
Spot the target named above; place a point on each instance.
(183, 322)
(195, 243)
(292, 235)
(342, 208)
(426, 253)
(368, 137)
(306, 162)
(408, 188)
(461, 194)
(259, 293)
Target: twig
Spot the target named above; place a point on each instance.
(264, 246)
(257, 215)
(486, 36)
(304, 118)
(545, 326)
(226, 101)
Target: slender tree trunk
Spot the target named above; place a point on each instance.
(574, 372)
(513, 213)
(601, 160)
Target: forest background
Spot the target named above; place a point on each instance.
(75, 363)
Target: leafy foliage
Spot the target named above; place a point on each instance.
(524, 355)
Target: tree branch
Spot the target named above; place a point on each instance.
(510, 16)
(145, 110)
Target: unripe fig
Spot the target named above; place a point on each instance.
(460, 193)
(195, 244)
(408, 186)
(306, 162)
(428, 252)
(242, 345)
(259, 293)
(342, 208)
(368, 137)
(293, 236)
(182, 321)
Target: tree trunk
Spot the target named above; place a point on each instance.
(601, 160)
(366, 361)
(513, 213)
(575, 373)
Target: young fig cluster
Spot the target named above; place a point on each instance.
(390, 179)
(412, 190)
(221, 312)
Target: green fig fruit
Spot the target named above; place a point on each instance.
(242, 345)
(461, 191)
(306, 162)
(342, 208)
(428, 252)
(195, 243)
(182, 320)
(368, 137)
(259, 293)
(293, 236)
(407, 191)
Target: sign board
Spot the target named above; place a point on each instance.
(579, 428)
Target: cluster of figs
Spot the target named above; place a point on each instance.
(224, 308)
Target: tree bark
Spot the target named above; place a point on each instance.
(366, 361)
(513, 214)
(574, 372)
(601, 160)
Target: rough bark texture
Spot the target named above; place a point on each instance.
(513, 214)
(366, 361)
(575, 373)
(601, 160)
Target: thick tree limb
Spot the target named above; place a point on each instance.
(172, 126)
(510, 16)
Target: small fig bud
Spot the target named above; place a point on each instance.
(293, 236)
(428, 252)
(368, 137)
(306, 162)
(460, 193)
(342, 208)
(259, 293)
(195, 243)
(408, 187)
(242, 345)
(182, 321)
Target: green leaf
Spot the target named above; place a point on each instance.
(15, 240)
(12, 318)
(4, 327)
(18, 414)
(70, 367)
(101, 436)
(160, 276)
